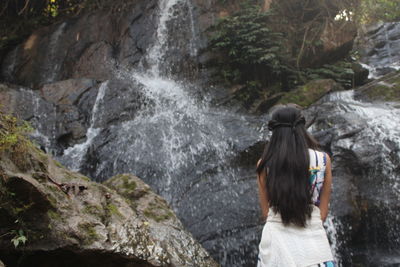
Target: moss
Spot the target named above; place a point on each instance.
(90, 233)
(42, 156)
(308, 94)
(53, 215)
(128, 185)
(93, 210)
(390, 92)
(127, 182)
(58, 164)
(112, 209)
(52, 200)
(17, 211)
(87, 179)
(13, 139)
(158, 211)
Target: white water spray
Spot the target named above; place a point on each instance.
(74, 155)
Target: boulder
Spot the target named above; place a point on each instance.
(51, 216)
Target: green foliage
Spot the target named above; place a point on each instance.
(13, 132)
(340, 72)
(251, 51)
(19, 238)
(378, 10)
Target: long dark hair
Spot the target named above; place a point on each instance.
(286, 161)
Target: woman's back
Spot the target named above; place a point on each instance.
(294, 180)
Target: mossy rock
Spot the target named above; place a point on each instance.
(128, 185)
(113, 210)
(140, 197)
(158, 211)
(309, 93)
(385, 89)
(89, 233)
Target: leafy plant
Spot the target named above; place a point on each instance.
(19, 238)
(250, 50)
(378, 10)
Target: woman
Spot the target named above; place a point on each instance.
(294, 181)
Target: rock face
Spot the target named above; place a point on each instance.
(89, 47)
(68, 107)
(379, 46)
(69, 220)
(97, 44)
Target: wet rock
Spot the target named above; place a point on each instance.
(68, 92)
(67, 219)
(379, 46)
(30, 106)
(360, 74)
(360, 133)
(68, 107)
(386, 88)
(88, 46)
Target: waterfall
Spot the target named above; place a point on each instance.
(12, 61)
(157, 51)
(74, 155)
(374, 148)
(194, 40)
(42, 112)
(379, 47)
(180, 145)
(53, 67)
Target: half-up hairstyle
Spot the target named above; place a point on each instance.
(286, 162)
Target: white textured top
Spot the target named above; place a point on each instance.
(293, 246)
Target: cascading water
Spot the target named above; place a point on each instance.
(53, 69)
(156, 53)
(366, 204)
(74, 155)
(379, 47)
(43, 112)
(182, 147)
